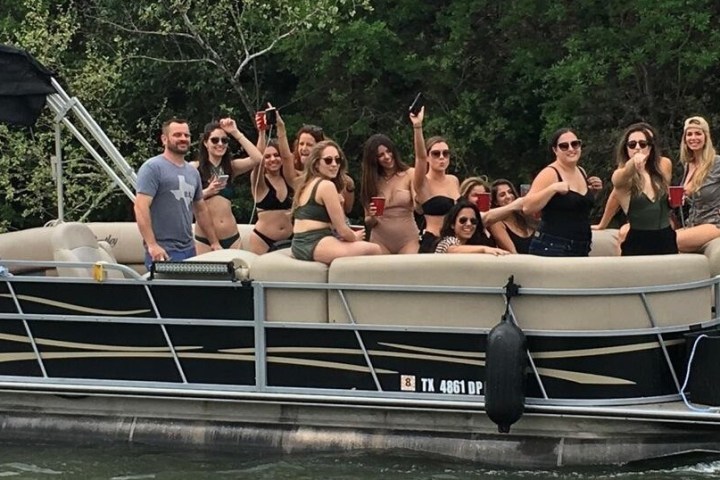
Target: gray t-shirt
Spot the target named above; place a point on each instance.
(705, 202)
(173, 189)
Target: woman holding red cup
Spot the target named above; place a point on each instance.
(641, 187)
(387, 196)
(701, 180)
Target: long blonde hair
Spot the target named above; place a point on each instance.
(311, 172)
(707, 157)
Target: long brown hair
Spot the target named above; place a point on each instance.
(372, 170)
(312, 130)
(652, 164)
(311, 172)
(204, 165)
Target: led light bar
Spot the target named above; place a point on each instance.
(224, 270)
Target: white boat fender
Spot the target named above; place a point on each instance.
(505, 368)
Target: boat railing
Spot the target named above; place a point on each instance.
(260, 327)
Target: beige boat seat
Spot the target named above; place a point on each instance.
(75, 242)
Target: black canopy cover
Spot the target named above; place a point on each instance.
(24, 83)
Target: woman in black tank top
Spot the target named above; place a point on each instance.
(565, 196)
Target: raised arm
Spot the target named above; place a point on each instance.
(420, 153)
(622, 176)
(241, 165)
(259, 170)
(288, 159)
(543, 188)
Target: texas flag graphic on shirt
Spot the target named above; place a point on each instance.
(184, 192)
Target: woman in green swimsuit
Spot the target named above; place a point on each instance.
(317, 210)
(641, 187)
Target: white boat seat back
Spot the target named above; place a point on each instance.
(75, 242)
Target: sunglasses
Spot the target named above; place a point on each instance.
(464, 220)
(564, 146)
(440, 153)
(631, 144)
(216, 140)
(331, 160)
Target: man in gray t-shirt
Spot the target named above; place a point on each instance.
(167, 187)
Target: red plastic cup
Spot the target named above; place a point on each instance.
(260, 120)
(483, 202)
(676, 196)
(379, 204)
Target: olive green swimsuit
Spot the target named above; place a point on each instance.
(304, 243)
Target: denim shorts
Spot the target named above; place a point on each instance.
(547, 245)
(175, 255)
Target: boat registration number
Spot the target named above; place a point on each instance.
(433, 385)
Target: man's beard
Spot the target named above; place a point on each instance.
(177, 148)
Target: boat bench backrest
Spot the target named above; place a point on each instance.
(388, 307)
(75, 242)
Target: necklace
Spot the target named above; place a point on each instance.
(388, 177)
(216, 170)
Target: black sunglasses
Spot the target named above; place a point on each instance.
(631, 144)
(564, 146)
(464, 220)
(440, 153)
(216, 140)
(331, 160)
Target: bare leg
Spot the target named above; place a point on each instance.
(201, 248)
(257, 244)
(330, 248)
(691, 239)
(410, 247)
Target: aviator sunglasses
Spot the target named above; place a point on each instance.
(440, 153)
(216, 140)
(564, 146)
(464, 220)
(330, 160)
(631, 144)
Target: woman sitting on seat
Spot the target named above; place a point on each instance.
(459, 227)
(435, 190)
(217, 171)
(514, 232)
(701, 179)
(317, 210)
(294, 160)
(385, 175)
(641, 186)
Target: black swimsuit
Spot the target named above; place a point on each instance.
(271, 201)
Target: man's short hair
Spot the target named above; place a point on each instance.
(166, 123)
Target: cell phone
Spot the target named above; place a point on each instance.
(270, 116)
(223, 178)
(417, 104)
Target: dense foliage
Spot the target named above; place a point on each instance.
(498, 77)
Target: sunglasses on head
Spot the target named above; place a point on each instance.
(331, 160)
(216, 140)
(631, 144)
(440, 153)
(565, 146)
(464, 220)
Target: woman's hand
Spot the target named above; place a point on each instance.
(561, 187)
(359, 234)
(639, 161)
(260, 121)
(417, 120)
(214, 187)
(496, 251)
(594, 184)
(229, 125)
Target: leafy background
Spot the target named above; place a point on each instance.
(498, 78)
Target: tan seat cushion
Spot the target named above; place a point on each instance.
(542, 313)
(287, 305)
(75, 242)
